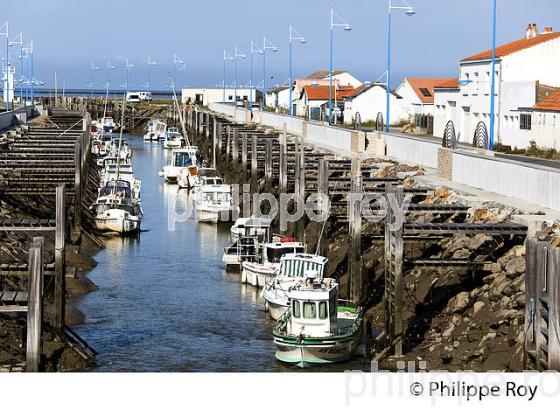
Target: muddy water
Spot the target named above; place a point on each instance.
(165, 302)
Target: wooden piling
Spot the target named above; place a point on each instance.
(268, 165)
(243, 158)
(254, 163)
(35, 306)
(284, 161)
(60, 269)
(355, 233)
(214, 137)
(235, 147)
(323, 188)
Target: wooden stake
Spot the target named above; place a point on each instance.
(35, 306)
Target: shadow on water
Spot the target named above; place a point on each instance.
(165, 302)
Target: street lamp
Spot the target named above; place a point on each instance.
(254, 50)
(409, 11)
(128, 68)
(493, 85)
(176, 60)
(237, 54)
(16, 41)
(294, 35)
(227, 58)
(5, 32)
(150, 64)
(336, 21)
(93, 68)
(267, 45)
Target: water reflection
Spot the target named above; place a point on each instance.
(165, 302)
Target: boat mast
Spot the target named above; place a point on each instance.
(181, 119)
(119, 153)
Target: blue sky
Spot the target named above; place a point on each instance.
(69, 34)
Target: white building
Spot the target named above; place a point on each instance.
(418, 95)
(526, 71)
(314, 100)
(372, 100)
(9, 84)
(544, 122)
(205, 96)
(278, 98)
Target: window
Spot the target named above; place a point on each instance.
(476, 82)
(296, 308)
(322, 310)
(525, 121)
(309, 310)
(425, 92)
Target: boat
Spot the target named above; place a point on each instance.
(180, 159)
(317, 329)
(106, 124)
(238, 228)
(115, 208)
(246, 247)
(155, 130)
(194, 176)
(117, 220)
(213, 201)
(292, 270)
(259, 272)
(122, 172)
(172, 138)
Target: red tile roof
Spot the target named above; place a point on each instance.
(321, 92)
(419, 84)
(551, 103)
(514, 47)
(448, 84)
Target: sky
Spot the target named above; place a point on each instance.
(69, 35)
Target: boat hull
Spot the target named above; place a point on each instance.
(256, 274)
(315, 351)
(275, 309)
(118, 225)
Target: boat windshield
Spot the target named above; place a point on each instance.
(182, 159)
(213, 181)
(297, 267)
(217, 197)
(273, 255)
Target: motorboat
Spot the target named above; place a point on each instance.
(172, 138)
(115, 208)
(238, 228)
(194, 176)
(259, 272)
(213, 201)
(180, 159)
(155, 130)
(122, 172)
(246, 247)
(317, 327)
(292, 270)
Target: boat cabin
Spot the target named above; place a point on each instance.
(184, 157)
(259, 228)
(274, 251)
(297, 265)
(314, 306)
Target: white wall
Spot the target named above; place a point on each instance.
(215, 95)
(372, 101)
(412, 150)
(545, 129)
(346, 79)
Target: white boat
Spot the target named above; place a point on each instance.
(155, 130)
(172, 138)
(246, 248)
(117, 195)
(292, 270)
(213, 201)
(194, 176)
(180, 159)
(117, 220)
(123, 172)
(105, 124)
(316, 329)
(238, 228)
(259, 272)
(125, 150)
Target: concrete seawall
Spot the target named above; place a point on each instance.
(535, 184)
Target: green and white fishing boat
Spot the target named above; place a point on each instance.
(317, 329)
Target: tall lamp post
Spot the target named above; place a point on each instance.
(493, 85)
(176, 60)
(16, 41)
(254, 50)
(294, 35)
(267, 45)
(237, 54)
(151, 63)
(227, 58)
(6, 33)
(128, 68)
(336, 21)
(93, 68)
(409, 11)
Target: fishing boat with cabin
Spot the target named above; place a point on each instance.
(318, 328)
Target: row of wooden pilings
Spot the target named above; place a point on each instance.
(44, 157)
(270, 161)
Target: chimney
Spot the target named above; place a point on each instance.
(535, 30)
(529, 31)
(547, 30)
